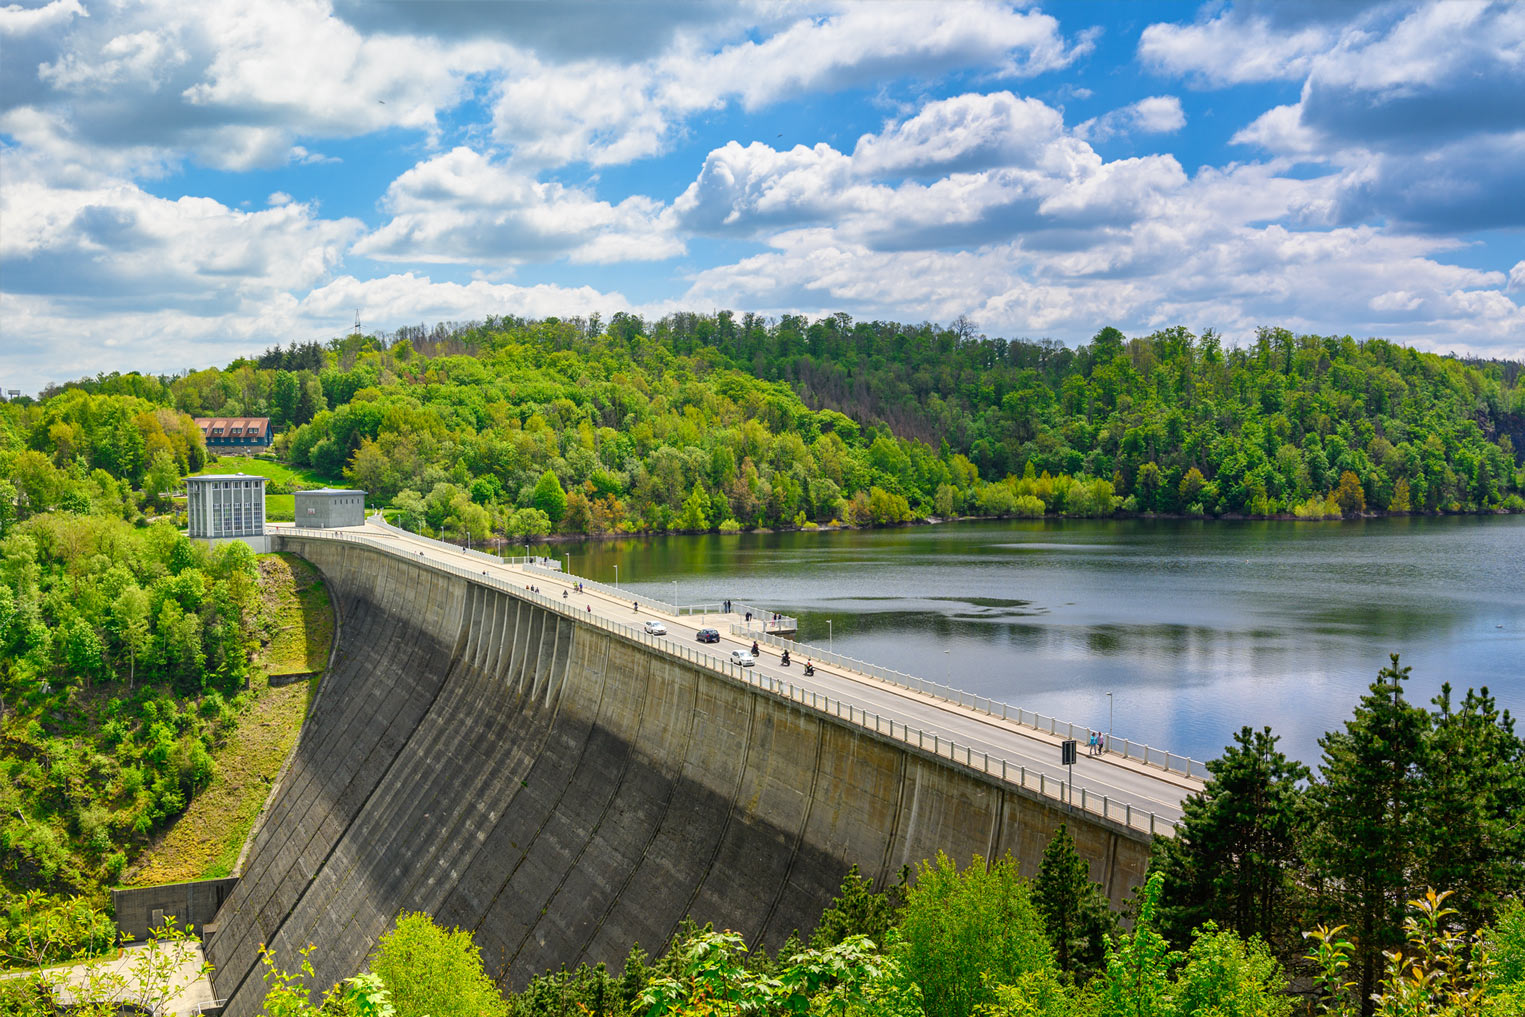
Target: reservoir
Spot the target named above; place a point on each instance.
(1196, 627)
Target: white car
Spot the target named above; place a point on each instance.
(655, 628)
(742, 658)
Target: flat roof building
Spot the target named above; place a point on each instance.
(328, 507)
(226, 506)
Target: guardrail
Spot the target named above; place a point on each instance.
(1055, 789)
(1172, 762)
(551, 567)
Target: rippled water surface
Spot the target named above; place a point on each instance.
(1196, 628)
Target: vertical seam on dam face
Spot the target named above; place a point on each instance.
(565, 791)
(593, 832)
(887, 864)
(741, 776)
(548, 815)
(799, 836)
(656, 826)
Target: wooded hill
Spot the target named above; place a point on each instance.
(701, 422)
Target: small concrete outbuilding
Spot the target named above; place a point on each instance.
(327, 508)
(226, 506)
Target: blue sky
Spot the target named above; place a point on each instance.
(181, 184)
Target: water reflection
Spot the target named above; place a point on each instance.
(1196, 627)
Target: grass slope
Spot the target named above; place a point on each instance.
(204, 843)
(299, 616)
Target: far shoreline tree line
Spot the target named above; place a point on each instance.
(515, 428)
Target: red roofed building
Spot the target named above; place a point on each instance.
(252, 433)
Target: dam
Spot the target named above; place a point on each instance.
(535, 768)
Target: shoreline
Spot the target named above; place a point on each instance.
(570, 538)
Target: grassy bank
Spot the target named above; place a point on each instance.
(297, 618)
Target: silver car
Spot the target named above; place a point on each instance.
(742, 658)
(655, 628)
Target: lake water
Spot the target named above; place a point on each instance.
(1195, 627)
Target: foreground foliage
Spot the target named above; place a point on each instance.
(110, 981)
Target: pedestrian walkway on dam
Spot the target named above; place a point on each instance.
(1016, 746)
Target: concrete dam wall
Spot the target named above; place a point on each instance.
(564, 792)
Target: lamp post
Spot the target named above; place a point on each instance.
(616, 577)
(568, 557)
(947, 669)
(831, 644)
(1109, 720)
(675, 598)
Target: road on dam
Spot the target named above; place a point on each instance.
(1124, 782)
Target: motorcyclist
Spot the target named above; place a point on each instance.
(784, 660)
(809, 668)
(754, 647)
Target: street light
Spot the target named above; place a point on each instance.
(568, 557)
(616, 577)
(675, 598)
(947, 669)
(831, 644)
(1109, 720)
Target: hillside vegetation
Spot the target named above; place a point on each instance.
(521, 428)
(124, 657)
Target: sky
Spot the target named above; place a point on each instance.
(182, 184)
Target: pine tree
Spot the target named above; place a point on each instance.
(859, 911)
(1074, 909)
(1236, 849)
(1366, 804)
(1473, 795)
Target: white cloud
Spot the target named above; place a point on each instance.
(403, 299)
(1234, 279)
(278, 198)
(460, 207)
(1240, 44)
(299, 154)
(1406, 108)
(1158, 114)
(755, 186)
(146, 59)
(230, 84)
(608, 113)
(16, 20)
(166, 339)
(114, 246)
(966, 132)
(1039, 178)
(1280, 130)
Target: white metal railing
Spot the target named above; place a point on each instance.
(551, 567)
(1148, 754)
(921, 739)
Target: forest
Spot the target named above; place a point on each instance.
(522, 428)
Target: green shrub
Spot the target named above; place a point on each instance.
(962, 932)
(436, 972)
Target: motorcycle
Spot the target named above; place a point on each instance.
(784, 660)
(809, 669)
(754, 648)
